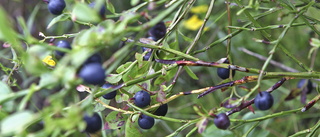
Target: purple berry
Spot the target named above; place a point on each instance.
(93, 73)
(56, 6)
(158, 31)
(263, 100)
(224, 73)
(95, 58)
(162, 110)
(94, 123)
(62, 44)
(110, 95)
(142, 99)
(145, 122)
(221, 121)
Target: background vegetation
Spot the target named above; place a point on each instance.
(37, 99)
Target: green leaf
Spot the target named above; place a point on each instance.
(134, 2)
(16, 123)
(165, 78)
(190, 73)
(99, 107)
(48, 80)
(6, 92)
(187, 39)
(62, 17)
(131, 129)
(83, 12)
(33, 60)
(123, 67)
(315, 42)
(7, 34)
(213, 130)
(122, 97)
(114, 78)
(110, 7)
(115, 120)
(136, 71)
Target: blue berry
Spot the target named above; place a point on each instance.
(145, 122)
(56, 6)
(224, 73)
(94, 123)
(158, 31)
(301, 85)
(162, 110)
(102, 10)
(95, 58)
(62, 44)
(92, 73)
(263, 100)
(142, 99)
(110, 95)
(221, 121)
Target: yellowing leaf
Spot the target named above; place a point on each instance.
(193, 23)
(199, 9)
(49, 61)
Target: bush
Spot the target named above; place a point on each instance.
(272, 44)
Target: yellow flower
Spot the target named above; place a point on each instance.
(49, 61)
(199, 9)
(193, 23)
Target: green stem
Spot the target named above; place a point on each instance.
(159, 117)
(175, 133)
(252, 128)
(282, 113)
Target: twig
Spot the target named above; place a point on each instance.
(275, 63)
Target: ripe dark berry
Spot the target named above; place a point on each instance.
(302, 84)
(56, 6)
(110, 95)
(92, 73)
(224, 73)
(102, 10)
(142, 99)
(93, 122)
(145, 122)
(263, 100)
(62, 44)
(221, 121)
(162, 110)
(95, 58)
(158, 31)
